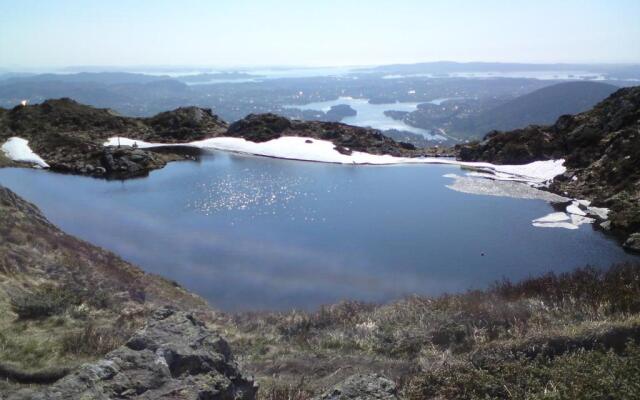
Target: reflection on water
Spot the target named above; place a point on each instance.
(254, 233)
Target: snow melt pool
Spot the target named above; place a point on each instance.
(248, 232)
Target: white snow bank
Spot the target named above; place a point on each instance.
(309, 149)
(17, 149)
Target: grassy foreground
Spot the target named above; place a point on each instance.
(568, 336)
(575, 335)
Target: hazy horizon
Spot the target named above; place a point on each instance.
(159, 68)
(285, 33)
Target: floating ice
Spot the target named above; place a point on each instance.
(565, 225)
(579, 220)
(574, 208)
(553, 217)
(501, 188)
(562, 220)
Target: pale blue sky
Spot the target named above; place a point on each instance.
(288, 32)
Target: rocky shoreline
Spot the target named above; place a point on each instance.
(602, 152)
(601, 146)
(69, 137)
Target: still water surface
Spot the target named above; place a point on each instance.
(258, 233)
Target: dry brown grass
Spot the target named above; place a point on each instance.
(423, 333)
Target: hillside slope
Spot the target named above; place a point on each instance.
(540, 107)
(64, 301)
(602, 152)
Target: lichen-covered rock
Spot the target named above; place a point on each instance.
(174, 357)
(362, 387)
(633, 242)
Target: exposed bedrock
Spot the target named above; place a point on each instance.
(173, 357)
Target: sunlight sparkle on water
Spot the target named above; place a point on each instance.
(257, 194)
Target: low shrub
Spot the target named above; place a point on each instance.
(93, 340)
(44, 301)
(47, 299)
(597, 374)
(280, 391)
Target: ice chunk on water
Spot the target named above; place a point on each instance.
(553, 217)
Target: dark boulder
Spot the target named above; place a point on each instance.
(175, 356)
(633, 242)
(127, 161)
(259, 127)
(186, 124)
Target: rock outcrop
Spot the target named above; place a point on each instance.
(602, 152)
(173, 357)
(347, 138)
(69, 136)
(362, 387)
(633, 242)
(186, 124)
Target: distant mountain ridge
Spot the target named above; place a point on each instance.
(613, 71)
(469, 118)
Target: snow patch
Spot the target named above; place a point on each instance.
(17, 149)
(536, 173)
